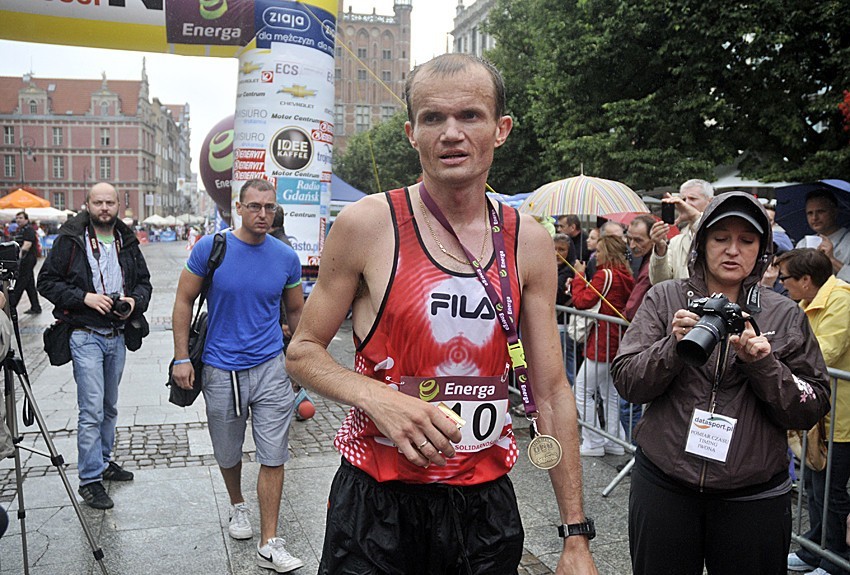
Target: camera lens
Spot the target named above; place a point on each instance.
(696, 347)
(121, 307)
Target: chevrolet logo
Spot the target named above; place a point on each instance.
(248, 67)
(297, 91)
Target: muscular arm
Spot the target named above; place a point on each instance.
(188, 290)
(346, 259)
(552, 393)
(293, 302)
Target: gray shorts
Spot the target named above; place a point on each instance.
(267, 391)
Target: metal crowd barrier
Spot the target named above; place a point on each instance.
(798, 531)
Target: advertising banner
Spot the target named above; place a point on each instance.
(283, 129)
(191, 28)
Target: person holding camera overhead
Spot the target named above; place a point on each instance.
(97, 279)
(726, 368)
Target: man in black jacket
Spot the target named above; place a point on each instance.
(98, 281)
(28, 241)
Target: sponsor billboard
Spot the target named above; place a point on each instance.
(192, 28)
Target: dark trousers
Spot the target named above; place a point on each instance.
(675, 531)
(25, 283)
(395, 528)
(839, 508)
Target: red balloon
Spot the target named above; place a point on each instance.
(306, 409)
(216, 163)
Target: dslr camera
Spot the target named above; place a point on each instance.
(9, 252)
(720, 319)
(119, 306)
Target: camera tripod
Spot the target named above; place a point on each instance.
(30, 413)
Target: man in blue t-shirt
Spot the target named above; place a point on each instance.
(243, 359)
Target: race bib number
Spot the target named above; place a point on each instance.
(481, 401)
(710, 435)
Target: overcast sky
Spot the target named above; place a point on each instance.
(208, 85)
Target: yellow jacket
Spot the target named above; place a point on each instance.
(829, 316)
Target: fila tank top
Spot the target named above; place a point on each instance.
(436, 337)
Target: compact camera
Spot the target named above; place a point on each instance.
(720, 319)
(119, 306)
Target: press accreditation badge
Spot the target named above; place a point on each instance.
(709, 435)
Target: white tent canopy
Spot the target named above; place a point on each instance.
(155, 220)
(36, 214)
(190, 219)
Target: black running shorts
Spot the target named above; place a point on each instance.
(400, 528)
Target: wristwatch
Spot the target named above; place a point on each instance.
(587, 528)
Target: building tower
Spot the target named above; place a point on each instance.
(370, 69)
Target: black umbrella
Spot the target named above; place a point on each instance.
(791, 205)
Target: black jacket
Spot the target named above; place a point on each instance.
(66, 276)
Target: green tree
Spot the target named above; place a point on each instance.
(383, 149)
(652, 93)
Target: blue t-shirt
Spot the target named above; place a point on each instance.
(243, 326)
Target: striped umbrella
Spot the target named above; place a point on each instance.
(582, 195)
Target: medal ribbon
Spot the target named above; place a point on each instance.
(504, 312)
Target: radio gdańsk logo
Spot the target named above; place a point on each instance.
(291, 148)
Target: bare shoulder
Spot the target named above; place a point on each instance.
(533, 242)
(363, 214)
(361, 226)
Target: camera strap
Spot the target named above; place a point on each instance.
(94, 245)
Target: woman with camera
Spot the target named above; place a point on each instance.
(594, 377)
(710, 487)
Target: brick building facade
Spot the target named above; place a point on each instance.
(382, 43)
(60, 136)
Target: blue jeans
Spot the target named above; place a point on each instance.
(98, 363)
(629, 416)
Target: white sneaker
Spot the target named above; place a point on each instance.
(240, 525)
(797, 564)
(273, 555)
(614, 449)
(592, 451)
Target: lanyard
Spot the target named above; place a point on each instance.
(504, 313)
(94, 244)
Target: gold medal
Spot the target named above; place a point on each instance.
(544, 451)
